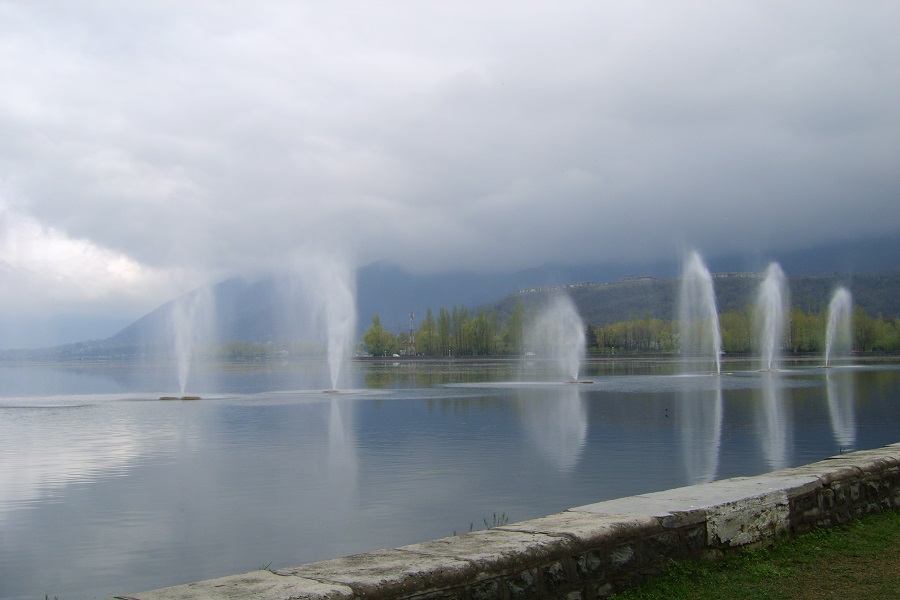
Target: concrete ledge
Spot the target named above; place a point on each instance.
(589, 551)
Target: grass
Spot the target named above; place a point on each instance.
(497, 521)
(857, 560)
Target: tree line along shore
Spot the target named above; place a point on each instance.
(460, 332)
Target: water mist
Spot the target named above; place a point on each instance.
(191, 322)
(698, 317)
(771, 313)
(840, 312)
(559, 332)
(329, 285)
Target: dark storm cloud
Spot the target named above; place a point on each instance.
(188, 138)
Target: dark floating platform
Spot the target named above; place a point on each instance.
(179, 398)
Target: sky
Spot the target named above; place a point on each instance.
(148, 147)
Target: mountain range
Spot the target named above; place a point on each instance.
(260, 310)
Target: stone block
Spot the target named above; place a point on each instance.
(389, 573)
(264, 585)
(695, 540)
(522, 586)
(489, 590)
(749, 521)
(587, 529)
(554, 577)
(589, 565)
(496, 550)
(621, 558)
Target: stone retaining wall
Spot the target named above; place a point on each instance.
(589, 551)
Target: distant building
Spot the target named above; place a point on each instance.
(738, 275)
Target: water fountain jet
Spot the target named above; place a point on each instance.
(840, 313)
(559, 332)
(329, 284)
(698, 317)
(770, 316)
(191, 323)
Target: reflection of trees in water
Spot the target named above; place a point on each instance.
(773, 422)
(840, 389)
(429, 373)
(699, 417)
(556, 420)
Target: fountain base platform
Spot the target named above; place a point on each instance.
(179, 398)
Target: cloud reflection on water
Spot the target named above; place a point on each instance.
(74, 440)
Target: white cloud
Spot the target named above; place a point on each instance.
(43, 271)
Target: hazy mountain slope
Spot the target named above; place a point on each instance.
(264, 310)
(260, 311)
(601, 304)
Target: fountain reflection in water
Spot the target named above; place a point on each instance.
(342, 466)
(699, 418)
(838, 335)
(698, 319)
(840, 389)
(773, 422)
(557, 421)
(558, 332)
(771, 311)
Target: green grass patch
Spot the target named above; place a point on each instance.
(857, 560)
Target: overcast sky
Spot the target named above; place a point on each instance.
(149, 146)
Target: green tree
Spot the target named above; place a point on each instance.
(379, 341)
(514, 332)
(444, 329)
(590, 337)
(426, 339)
(864, 330)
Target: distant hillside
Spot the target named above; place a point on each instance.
(637, 297)
(263, 310)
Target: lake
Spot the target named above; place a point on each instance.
(107, 490)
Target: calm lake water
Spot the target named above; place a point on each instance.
(107, 490)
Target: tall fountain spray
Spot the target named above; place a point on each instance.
(771, 312)
(191, 323)
(840, 312)
(698, 319)
(340, 317)
(328, 284)
(559, 332)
